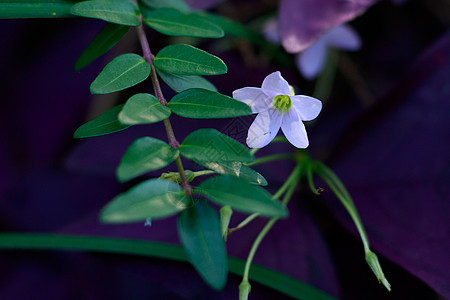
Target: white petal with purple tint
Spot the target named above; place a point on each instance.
(294, 130)
(253, 97)
(264, 129)
(274, 85)
(307, 107)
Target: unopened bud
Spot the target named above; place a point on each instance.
(225, 217)
(372, 260)
(244, 290)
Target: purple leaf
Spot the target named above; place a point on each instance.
(303, 21)
(395, 162)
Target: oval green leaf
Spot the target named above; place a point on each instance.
(211, 145)
(179, 83)
(241, 196)
(204, 104)
(144, 155)
(124, 12)
(154, 198)
(35, 9)
(176, 4)
(186, 59)
(199, 232)
(236, 169)
(143, 109)
(105, 40)
(104, 124)
(122, 72)
(176, 23)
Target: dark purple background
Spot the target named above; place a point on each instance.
(392, 155)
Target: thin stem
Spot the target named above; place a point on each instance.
(341, 193)
(184, 182)
(148, 56)
(255, 246)
(244, 223)
(292, 178)
(270, 158)
(266, 229)
(324, 83)
(202, 173)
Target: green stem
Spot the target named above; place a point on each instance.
(293, 177)
(269, 158)
(309, 176)
(264, 232)
(342, 194)
(245, 222)
(202, 173)
(290, 184)
(344, 197)
(255, 246)
(324, 83)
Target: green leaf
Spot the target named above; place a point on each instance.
(122, 72)
(186, 59)
(104, 124)
(241, 195)
(144, 155)
(175, 23)
(36, 9)
(265, 276)
(199, 232)
(179, 83)
(143, 109)
(154, 198)
(236, 169)
(105, 40)
(204, 104)
(211, 145)
(124, 12)
(176, 4)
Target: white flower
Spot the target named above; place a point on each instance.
(277, 106)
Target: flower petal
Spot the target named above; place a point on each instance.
(308, 108)
(343, 37)
(311, 61)
(253, 97)
(264, 128)
(294, 130)
(274, 84)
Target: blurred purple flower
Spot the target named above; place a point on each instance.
(311, 61)
(303, 21)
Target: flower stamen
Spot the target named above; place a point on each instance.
(282, 103)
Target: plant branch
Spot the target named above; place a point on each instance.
(148, 56)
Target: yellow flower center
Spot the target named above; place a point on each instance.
(282, 103)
